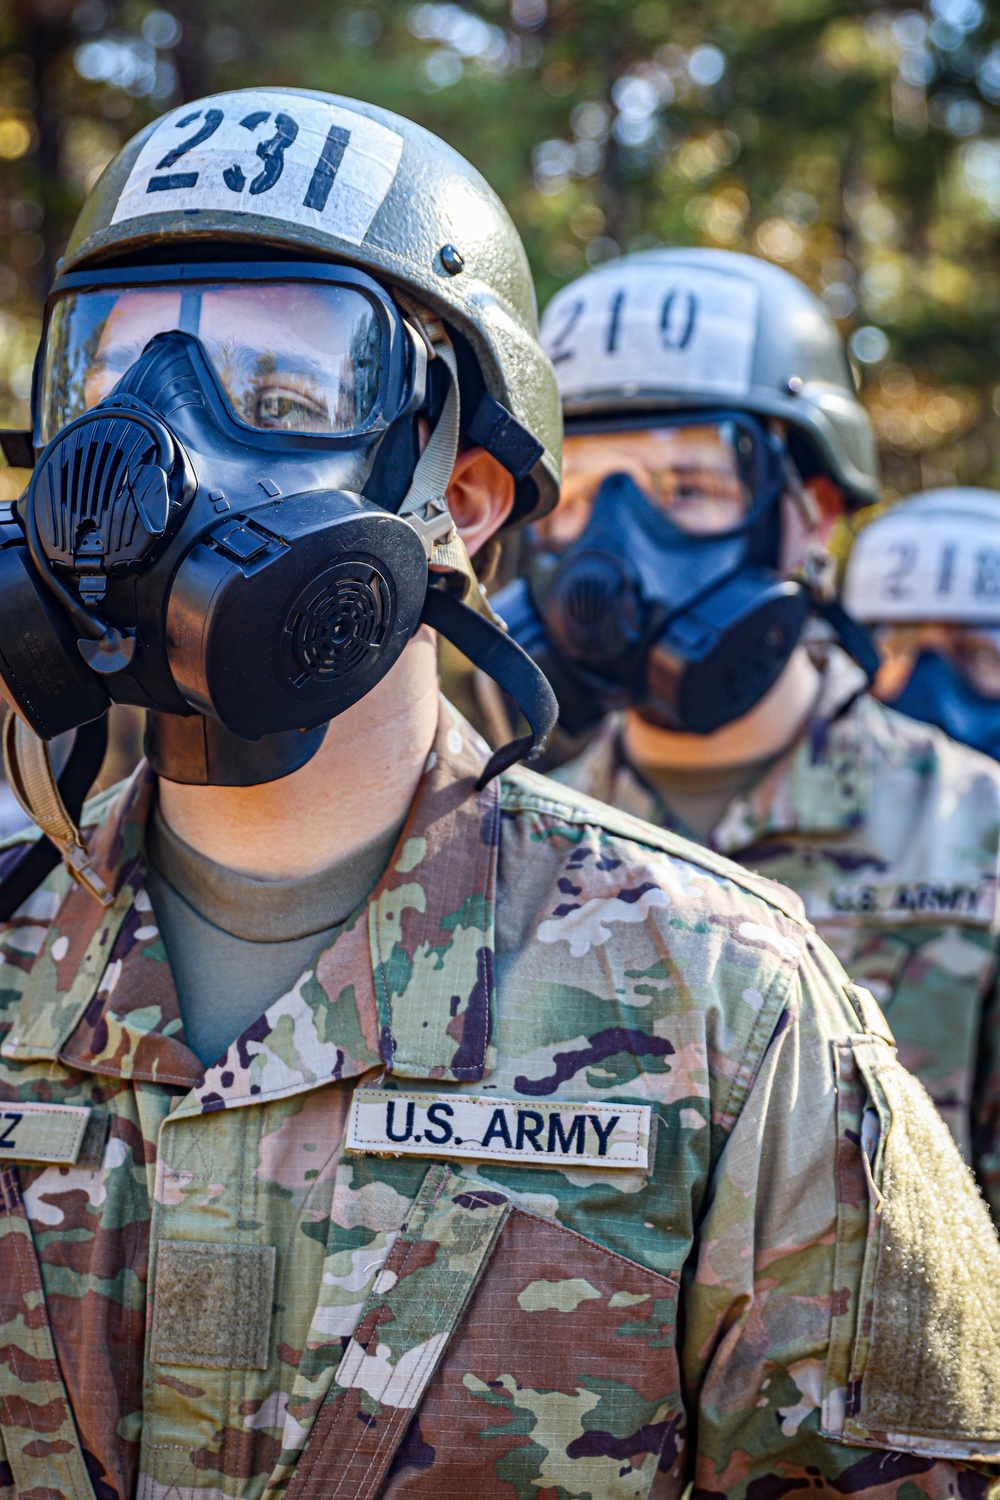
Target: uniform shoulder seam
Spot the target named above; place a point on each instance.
(524, 790)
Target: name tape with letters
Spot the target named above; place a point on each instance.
(283, 156)
(971, 902)
(394, 1123)
(678, 328)
(51, 1133)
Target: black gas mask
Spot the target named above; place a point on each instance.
(949, 671)
(655, 584)
(211, 530)
(937, 693)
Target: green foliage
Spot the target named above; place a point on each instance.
(859, 147)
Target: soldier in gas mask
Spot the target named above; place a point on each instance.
(925, 575)
(378, 1120)
(680, 597)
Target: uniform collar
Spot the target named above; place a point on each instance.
(821, 785)
(408, 985)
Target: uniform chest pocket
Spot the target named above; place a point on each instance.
(559, 1378)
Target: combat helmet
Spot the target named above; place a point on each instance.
(373, 191)
(931, 556)
(691, 328)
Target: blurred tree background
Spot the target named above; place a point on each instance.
(857, 145)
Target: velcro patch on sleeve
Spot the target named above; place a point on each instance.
(389, 1122)
(914, 1360)
(284, 156)
(50, 1133)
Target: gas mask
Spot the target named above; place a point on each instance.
(944, 673)
(654, 585)
(926, 574)
(936, 693)
(229, 524)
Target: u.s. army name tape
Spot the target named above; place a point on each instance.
(50, 1133)
(389, 1122)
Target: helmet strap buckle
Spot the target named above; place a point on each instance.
(425, 505)
(28, 765)
(819, 572)
(433, 524)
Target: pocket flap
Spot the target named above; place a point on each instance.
(562, 1379)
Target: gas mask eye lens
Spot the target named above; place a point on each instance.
(279, 405)
(290, 356)
(701, 475)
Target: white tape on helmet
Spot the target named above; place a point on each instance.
(284, 156)
(648, 328)
(935, 557)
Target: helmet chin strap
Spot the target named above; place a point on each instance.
(32, 779)
(510, 667)
(818, 576)
(464, 615)
(425, 504)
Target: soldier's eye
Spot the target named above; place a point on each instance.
(282, 406)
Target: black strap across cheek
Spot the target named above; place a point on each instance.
(853, 636)
(501, 658)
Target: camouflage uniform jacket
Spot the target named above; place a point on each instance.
(889, 832)
(716, 1232)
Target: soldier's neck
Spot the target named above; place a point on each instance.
(359, 784)
(770, 727)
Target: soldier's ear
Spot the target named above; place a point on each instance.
(828, 498)
(480, 496)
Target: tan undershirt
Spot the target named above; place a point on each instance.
(698, 796)
(236, 944)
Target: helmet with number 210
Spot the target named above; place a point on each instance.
(702, 389)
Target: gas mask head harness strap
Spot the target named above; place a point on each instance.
(215, 538)
(465, 616)
(689, 624)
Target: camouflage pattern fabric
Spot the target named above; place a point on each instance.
(217, 1275)
(889, 832)
(36, 1408)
